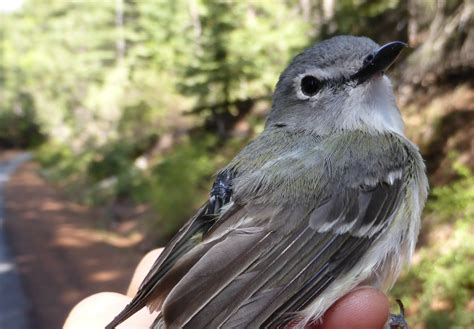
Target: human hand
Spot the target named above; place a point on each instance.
(363, 308)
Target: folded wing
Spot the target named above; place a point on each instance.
(260, 275)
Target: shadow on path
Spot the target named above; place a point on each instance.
(60, 255)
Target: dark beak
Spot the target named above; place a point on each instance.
(379, 61)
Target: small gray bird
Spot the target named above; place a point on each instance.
(327, 198)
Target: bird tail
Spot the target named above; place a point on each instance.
(159, 323)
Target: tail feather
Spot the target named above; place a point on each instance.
(159, 323)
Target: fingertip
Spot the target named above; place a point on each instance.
(363, 308)
(98, 310)
(142, 270)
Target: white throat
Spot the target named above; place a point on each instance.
(372, 107)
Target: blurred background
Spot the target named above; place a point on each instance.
(130, 107)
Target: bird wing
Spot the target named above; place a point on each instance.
(156, 284)
(278, 260)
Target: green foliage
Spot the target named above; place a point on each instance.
(116, 158)
(20, 128)
(61, 164)
(179, 183)
(105, 90)
(376, 19)
(456, 199)
(239, 52)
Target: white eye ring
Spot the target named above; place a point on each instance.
(298, 88)
(317, 74)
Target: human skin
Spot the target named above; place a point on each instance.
(363, 308)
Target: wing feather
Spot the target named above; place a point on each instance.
(297, 265)
(154, 285)
(180, 244)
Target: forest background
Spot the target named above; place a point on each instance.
(132, 106)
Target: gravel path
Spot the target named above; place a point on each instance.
(60, 250)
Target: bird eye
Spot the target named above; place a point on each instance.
(310, 85)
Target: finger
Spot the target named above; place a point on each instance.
(141, 271)
(98, 310)
(364, 308)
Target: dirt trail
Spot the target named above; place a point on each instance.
(61, 256)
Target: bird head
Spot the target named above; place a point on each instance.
(338, 85)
